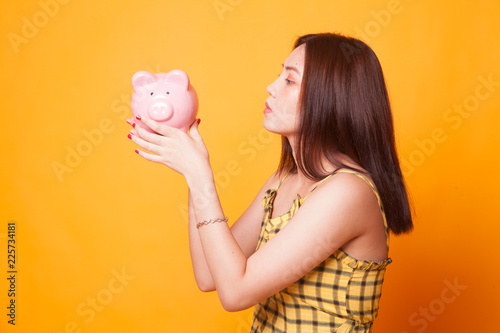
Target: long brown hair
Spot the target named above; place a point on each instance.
(345, 108)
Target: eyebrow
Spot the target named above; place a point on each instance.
(291, 68)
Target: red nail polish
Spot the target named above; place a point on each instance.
(138, 117)
(133, 125)
(137, 151)
(199, 120)
(129, 136)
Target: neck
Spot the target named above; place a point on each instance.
(300, 176)
(328, 166)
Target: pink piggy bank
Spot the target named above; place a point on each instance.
(167, 98)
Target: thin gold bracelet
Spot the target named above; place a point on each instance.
(202, 223)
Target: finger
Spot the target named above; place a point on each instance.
(193, 129)
(133, 132)
(155, 138)
(130, 121)
(148, 156)
(137, 122)
(159, 128)
(154, 148)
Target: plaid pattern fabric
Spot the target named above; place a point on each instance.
(341, 294)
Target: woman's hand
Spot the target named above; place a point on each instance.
(184, 153)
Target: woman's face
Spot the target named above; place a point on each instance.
(282, 106)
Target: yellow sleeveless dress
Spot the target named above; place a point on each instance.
(341, 294)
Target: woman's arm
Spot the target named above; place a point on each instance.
(335, 213)
(342, 209)
(200, 269)
(245, 230)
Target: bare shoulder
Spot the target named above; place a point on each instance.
(273, 181)
(354, 186)
(346, 185)
(350, 196)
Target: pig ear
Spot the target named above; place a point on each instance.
(178, 77)
(142, 78)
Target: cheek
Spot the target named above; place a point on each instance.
(290, 103)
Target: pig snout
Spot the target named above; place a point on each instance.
(160, 111)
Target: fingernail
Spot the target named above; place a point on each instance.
(198, 121)
(137, 151)
(133, 125)
(138, 117)
(129, 136)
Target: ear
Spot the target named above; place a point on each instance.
(178, 77)
(142, 78)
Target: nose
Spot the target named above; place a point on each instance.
(271, 89)
(161, 111)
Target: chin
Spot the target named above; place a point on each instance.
(276, 130)
(269, 126)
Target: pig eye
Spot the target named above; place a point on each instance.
(168, 92)
(152, 93)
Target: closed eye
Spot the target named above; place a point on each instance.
(289, 79)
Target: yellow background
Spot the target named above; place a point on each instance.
(65, 73)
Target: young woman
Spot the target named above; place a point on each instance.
(311, 250)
